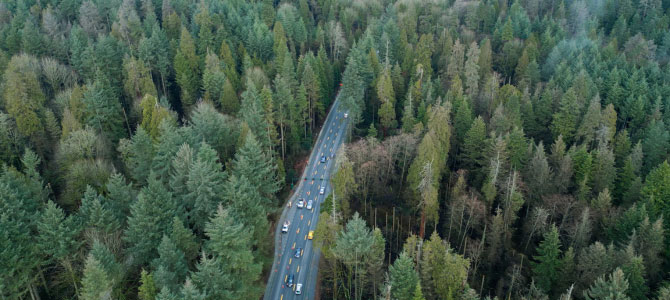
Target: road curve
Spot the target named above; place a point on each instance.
(315, 175)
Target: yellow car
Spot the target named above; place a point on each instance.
(310, 235)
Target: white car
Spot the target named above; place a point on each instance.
(284, 229)
(346, 115)
(322, 190)
(298, 289)
(309, 204)
(301, 203)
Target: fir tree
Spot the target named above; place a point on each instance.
(612, 288)
(170, 267)
(548, 261)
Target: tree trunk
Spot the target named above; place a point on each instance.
(422, 231)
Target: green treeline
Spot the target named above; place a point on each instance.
(510, 149)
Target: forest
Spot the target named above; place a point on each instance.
(500, 149)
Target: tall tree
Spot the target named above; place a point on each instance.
(187, 69)
(548, 260)
(96, 283)
(150, 218)
(170, 266)
(403, 277)
(612, 288)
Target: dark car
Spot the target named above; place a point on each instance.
(297, 252)
(289, 283)
(323, 158)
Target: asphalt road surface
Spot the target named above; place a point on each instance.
(302, 221)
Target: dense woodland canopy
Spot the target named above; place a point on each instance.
(510, 149)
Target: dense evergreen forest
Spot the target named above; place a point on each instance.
(501, 149)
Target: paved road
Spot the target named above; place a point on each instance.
(302, 220)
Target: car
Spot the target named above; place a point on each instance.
(323, 158)
(309, 204)
(284, 229)
(322, 190)
(346, 115)
(297, 252)
(298, 289)
(289, 283)
(332, 155)
(310, 235)
(301, 203)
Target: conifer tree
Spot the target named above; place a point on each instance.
(403, 277)
(137, 154)
(150, 218)
(147, 289)
(184, 239)
(565, 120)
(548, 260)
(204, 186)
(613, 287)
(187, 69)
(96, 284)
(170, 267)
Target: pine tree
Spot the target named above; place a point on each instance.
(102, 109)
(23, 95)
(655, 144)
(211, 279)
(403, 277)
(108, 262)
(612, 288)
(442, 271)
(252, 162)
(565, 120)
(232, 248)
(150, 218)
(190, 292)
(184, 239)
(213, 79)
(472, 71)
(634, 273)
(147, 289)
(120, 195)
(387, 98)
(170, 267)
(204, 186)
(96, 284)
(137, 154)
(57, 233)
(472, 158)
(187, 69)
(418, 295)
(230, 103)
(93, 216)
(548, 260)
(657, 190)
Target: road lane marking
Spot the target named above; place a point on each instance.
(300, 217)
(301, 251)
(309, 221)
(285, 277)
(293, 246)
(290, 260)
(305, 237)
(282, 297)
(298, 230)
(298, 270)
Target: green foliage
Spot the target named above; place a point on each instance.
(403, 277)
(170, 267)
(546, 269)
(147, 289)
(96, 283)
(187, 70)
(614, 287)
(150, 218)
